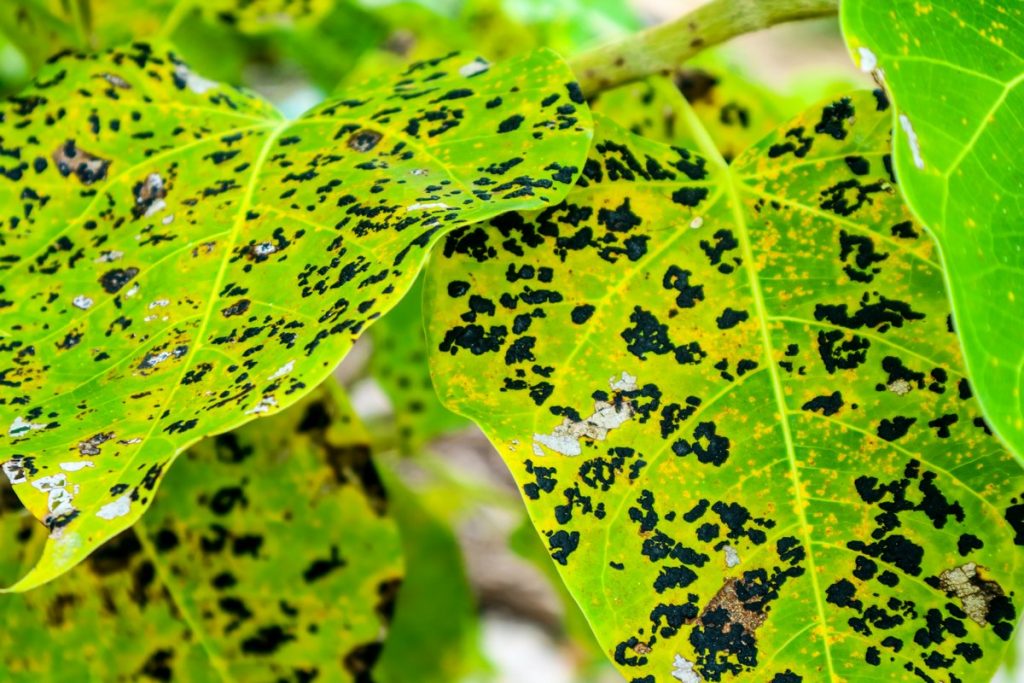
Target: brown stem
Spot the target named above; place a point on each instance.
(663, 48)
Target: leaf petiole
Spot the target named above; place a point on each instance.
(664, 47)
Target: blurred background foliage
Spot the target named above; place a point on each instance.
(481, 602)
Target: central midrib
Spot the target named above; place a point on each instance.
(217, 284)
(707, 146)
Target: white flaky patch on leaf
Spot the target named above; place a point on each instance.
(974, 593)
(915, 146)
(477, 66)
(868, 61)
(15, 471)
(283, 370)
(565, 438)
(59, 499)
(21, 426)
(118, 508)
(193, 82)
(75, 466)
(81, 301)
(265, 404)
(424, 206)
(682, 670)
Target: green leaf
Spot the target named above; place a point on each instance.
(399, 364)
(435, 631)
(416, 32)
(492, 28)
(523, 541)
(735, 109)
(954, 72)
(267, 552)
(178, 260)
(735, 410)
(330, 50)
(259, 16)
(41, 28)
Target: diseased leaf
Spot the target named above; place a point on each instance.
(736, 110)
(35, 29)
(177, 259)
(955, 72)
(268, 555)
(493, 28)
(523, 540)
(258, 16)
(42, 27)
(399, 364)
(736, 412)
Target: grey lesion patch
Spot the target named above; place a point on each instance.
(149, 196)
(91, 446)
(364, 140)
(975, 593)
(71, 159)
(155, 358)
(116, 81)
(15, 470)
(900, 387)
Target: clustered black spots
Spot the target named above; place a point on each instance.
(862, 267)
(796, 143)
(916, 493)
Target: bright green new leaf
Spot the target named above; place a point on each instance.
(268, 555)
(399, 364)
(955, 73)
(732, 401)
(177, 260)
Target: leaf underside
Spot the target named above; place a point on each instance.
(955, 72)
(732, 401)
(268, 555)
(176, 259)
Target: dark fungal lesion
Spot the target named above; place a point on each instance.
(71, 159)
(364, 140)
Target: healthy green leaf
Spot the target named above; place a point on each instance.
(955, 73)
(178, 260)
(399, 364)
(736, 412)
(268, 555)
(435, 630)
(330, 50)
